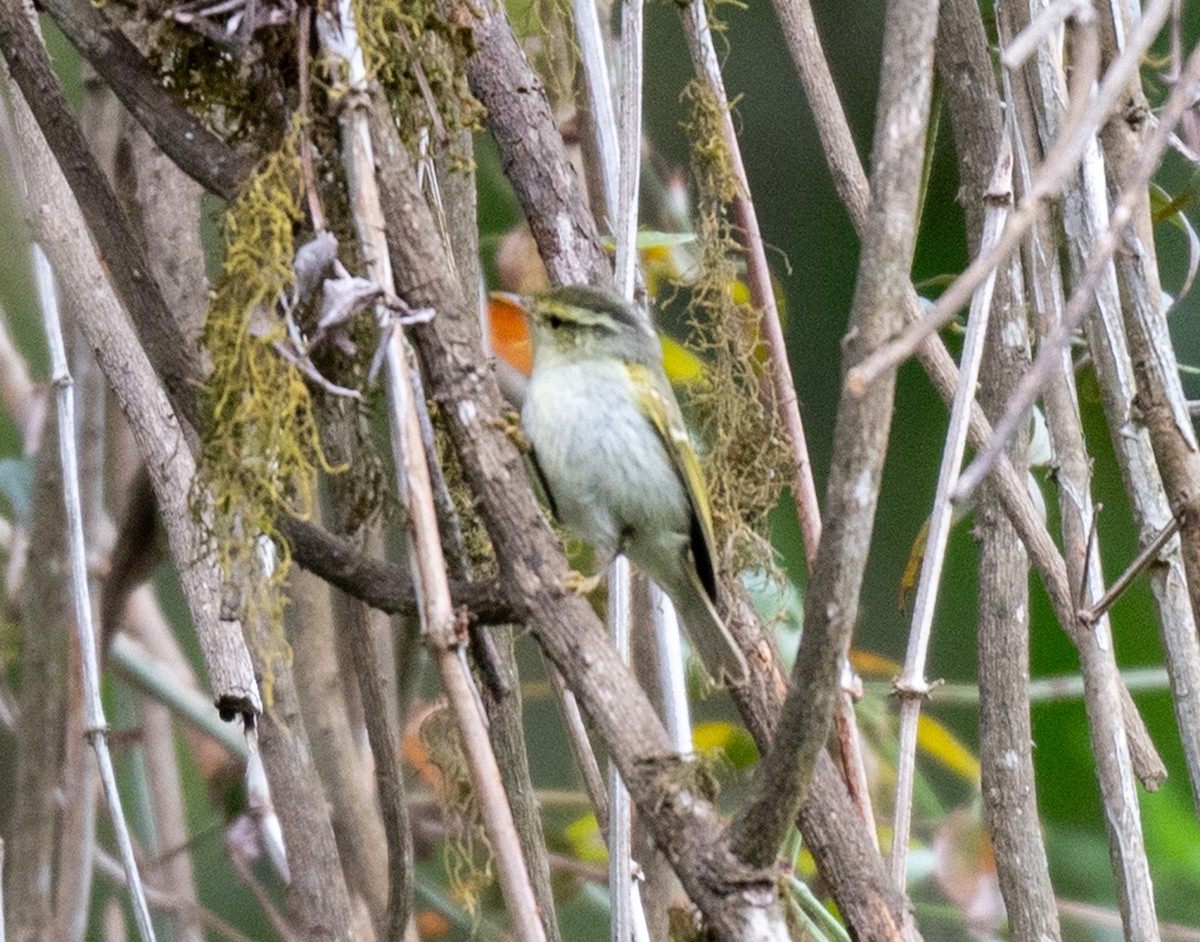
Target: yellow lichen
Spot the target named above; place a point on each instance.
(260, 450)
(747, 459)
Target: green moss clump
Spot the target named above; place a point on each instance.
(237, 96)
(260, 451)
(748, 460)
(409, 43)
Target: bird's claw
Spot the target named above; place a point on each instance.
(580, 584)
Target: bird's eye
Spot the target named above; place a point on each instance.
(554, 321)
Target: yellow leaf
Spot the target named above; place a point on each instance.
(936, 741)
(587, 844)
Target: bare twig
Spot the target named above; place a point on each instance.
(1008, 786)
(1160, 404)
(424, 547)
(1081, 298)
(1144, 558)
(1112, 744)
(95, 727)
(860, 437)
(1060, 162)
(911, 687)
(60, 227)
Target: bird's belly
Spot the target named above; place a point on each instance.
(609, 475)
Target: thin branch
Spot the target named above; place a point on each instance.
(1160, 404)
(1111, 743)
(1148, 555)
(182, 136)
(505, 709)
(95, 727)
(800, 31)
(119, 249)
(1081, 299)
(1008, 787)
(340, 39)
(860, 436)
(912, 686)
(1060, 162)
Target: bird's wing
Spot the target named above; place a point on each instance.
(663, 413)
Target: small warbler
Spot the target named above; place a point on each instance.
(616, 463)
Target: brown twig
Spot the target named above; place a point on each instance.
(426, 560)
(1144, 558)
(1009, 791)
(911, 687)
(860, 435)
(1104, 693)
(1159, 400)
(182, 136)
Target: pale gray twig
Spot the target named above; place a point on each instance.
(911, 687)
(1080, 302)
(1061, 161)
(427, 563)
(95, 727)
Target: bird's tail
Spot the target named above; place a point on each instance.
(717, 649)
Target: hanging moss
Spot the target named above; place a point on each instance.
(467, 856)
(546, 29)
(404, 41)
(748, 458)
(260, 451)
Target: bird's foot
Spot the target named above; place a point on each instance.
(510, 425)
(580, 584)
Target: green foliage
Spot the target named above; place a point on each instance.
(260, 450)
(748, 459)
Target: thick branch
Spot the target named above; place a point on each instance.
(120, 250)
(183, 137)
(685, 824)
(531, 149)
